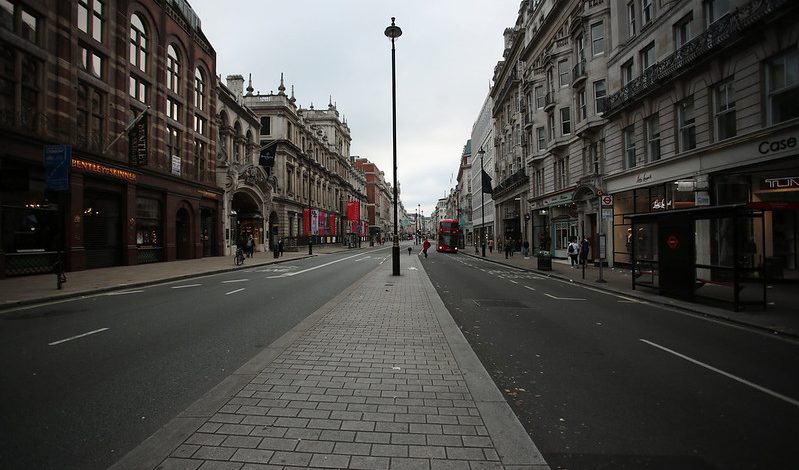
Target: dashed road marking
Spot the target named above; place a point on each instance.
(235, 291)
(77, 336)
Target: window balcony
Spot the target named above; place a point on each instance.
(724, 34)
(579, 73)
(549, 100)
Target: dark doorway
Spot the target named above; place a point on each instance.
(207, 232)
(183, 234)
(102, 230)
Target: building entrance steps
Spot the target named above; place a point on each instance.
(380, 377)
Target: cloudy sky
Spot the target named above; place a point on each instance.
(444, 59)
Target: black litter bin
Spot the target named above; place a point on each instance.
(544, 261)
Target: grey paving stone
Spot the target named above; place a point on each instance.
(427, 452)
(268, 431)
(465, 453)
(330, 461)
(226, 418)
(241, 429)
(213, 453)
(296, 459)
(404, 438)
(275, 443)
(409, 464)
(441, 440)
(314, 414)
(301, 433)
(242, 441)
(477, 441)
(449, 465)
(292, 422)
(391, 427)
(337, 435)
(373, 437)
(185, 451)
(485, 466)
(357, 425)
(209, 427)
(179, 464)
(459, 429)
(259, 420)
(205, 439)
(389, 450)
(252, 455)
(211, 465)
(359, 462)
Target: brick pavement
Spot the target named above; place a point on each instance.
(378, 378)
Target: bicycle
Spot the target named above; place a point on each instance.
(238, 258)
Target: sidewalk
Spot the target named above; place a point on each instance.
(378, 378)
(782, 315)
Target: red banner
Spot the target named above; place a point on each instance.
(332, 226)
(306, 221)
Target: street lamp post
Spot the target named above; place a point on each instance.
(481, 152)
(310, 220)
(394, 32)
(416, 235)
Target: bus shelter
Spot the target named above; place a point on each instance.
(711, 254)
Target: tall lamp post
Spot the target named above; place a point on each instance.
(310, 220)
(481, 152)
(394, 32)
(416, 235)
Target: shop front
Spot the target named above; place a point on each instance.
(554, 223)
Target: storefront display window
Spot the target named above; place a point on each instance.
(149, 223)
(565, 231)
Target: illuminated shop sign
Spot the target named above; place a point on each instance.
(786, 183)
(103, 170)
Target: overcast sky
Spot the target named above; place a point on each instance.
(444, 59)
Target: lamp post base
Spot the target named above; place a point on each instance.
(395, 259)
(310, 247)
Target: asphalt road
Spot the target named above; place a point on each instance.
(605, 382)
(84, 381)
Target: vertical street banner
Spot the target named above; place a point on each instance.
(137, 143)
(352, 216)
(57, 161)
(306, 221)
(332, 226)
(314, 222)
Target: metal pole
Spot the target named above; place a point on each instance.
(394, 32)
(310, 222)
(482, 204)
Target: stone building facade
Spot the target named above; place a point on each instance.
(316, 185)
(124, 91)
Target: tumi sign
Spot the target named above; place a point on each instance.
(784, 183)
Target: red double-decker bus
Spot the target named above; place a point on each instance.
(449, 234)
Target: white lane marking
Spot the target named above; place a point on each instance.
(275, 277)
(76, 337)
(234, 291)
(511, 280)
(235, 280)
(561, 298)
(528, 287)
(325, 264)
(726, 374)
(124, 292)
(186, 285)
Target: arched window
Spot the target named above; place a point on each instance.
(172, 69)
(199, 89)
(139, 47)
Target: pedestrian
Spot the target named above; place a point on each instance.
(491, 246)
(508, 247)
(250, 246)
(526, 249)
(276, 247)
(280, 247)
(584, 247)
(573, 250)
(476, 250)
(425, 246)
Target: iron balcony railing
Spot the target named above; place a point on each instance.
(718, 36)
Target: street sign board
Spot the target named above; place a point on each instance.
(607, 213)
(607, 201)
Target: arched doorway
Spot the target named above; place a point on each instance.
(249, 220)
(183, 234)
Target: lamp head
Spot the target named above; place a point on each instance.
(393, 31)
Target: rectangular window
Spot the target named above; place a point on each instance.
(597, 38)
(646, 12)
(563, 73)
(782, 75)
(579, 47)
(200, 161)
(652, 124)
(724, 110)
(715, 9)
(92, 63)
(199, 124)
(565, 121)
(599, 96)
(138, 89)
(173, 109)
(629, 147)
(90, 117)
(631, 19)
(551, 125)
(686, 125)
(627, 72)
(541, 136)
(172, 144)
(647, 56)
(266, 125)
(683, 31)
(561, 172)
(581, 105)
